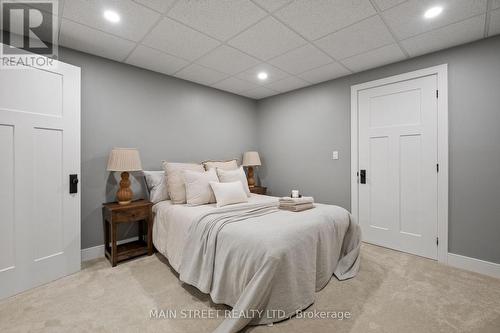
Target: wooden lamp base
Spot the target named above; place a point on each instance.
(124, 194)
(250, 179)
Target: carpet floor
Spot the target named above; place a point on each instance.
(393, 292)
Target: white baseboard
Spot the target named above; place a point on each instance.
(474, 265)
(98, 251)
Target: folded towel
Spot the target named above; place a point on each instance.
(297, 208)
(302, 200)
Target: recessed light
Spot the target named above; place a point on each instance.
(433, 12)
(111, 16)
(262, 76)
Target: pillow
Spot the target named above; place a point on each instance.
(226, 176)
(228, 193)
(175, 179)
(198, 190)
(156, 185)
(226, 165)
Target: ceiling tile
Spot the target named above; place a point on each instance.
(272, 5)
(358, 38)
(451, 35)
(267, 39)
(178, 40)
(314, 19)
(494, 23)
(234, 85)
(324, 73)
(200, 74)
(259, 92)
(219, 19)
(273, 74)
(385, 4)
(302, 59)
(379, 57)
(407, 19)
(227, 60)
(82, 38)
(158, 5)
(136, 20)
(290, 83)
(155, 60)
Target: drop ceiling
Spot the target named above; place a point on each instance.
(225, 43)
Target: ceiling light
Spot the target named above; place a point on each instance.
(433, 12)
(262, 76)
(111, 16)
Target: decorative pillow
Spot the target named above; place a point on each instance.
(226, 165)
(228, 193)
(226, 176)
(198, 190)
(157, 187)
(175, 179)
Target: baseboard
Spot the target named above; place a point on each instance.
(474, 265)
(98, 251)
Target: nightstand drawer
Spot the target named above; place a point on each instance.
(130, 214)
(258, 190)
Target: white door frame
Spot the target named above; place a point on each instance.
(442, 107)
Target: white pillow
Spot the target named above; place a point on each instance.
(157, 187)
(226, 176)
(175, 179)
(226, 165)
(198, 190)
(228, 193)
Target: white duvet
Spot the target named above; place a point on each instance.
(265, 262)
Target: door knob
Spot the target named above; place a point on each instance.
(73, 184)
(362, 176)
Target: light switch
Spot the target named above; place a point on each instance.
(335, 155)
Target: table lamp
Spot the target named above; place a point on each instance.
(124, 160)
(251, 159)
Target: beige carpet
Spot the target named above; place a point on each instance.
(394, 292)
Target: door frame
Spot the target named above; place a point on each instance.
(441, 71)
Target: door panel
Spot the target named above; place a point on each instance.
(40, 148)
(378, 177)
(7, 260)
(410, 178)
(384, 110)
(48, 193)
(398, 149)
(45, 89)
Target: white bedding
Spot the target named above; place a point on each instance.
(253, 256)
(172, 223)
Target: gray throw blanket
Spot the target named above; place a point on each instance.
(268, 262)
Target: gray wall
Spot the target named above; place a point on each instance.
(298, 132)
(165, 118)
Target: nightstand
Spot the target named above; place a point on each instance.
(258, 190)
(114, 214)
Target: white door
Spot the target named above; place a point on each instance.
(39, 149)
(398, 155)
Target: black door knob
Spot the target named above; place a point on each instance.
(362, 176)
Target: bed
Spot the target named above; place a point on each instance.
(264, 262)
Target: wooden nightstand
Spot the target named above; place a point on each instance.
(113, 214)
(258, 190)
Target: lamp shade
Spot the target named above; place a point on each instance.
(251, 158)
(124, 159)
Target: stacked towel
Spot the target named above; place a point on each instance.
(296, 204)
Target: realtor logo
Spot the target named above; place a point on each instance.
(28, 26)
